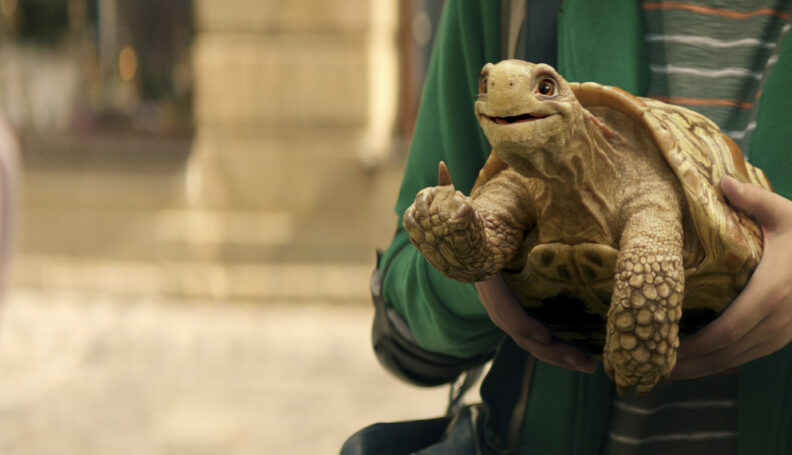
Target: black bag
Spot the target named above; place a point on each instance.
(398, 352)
(458, 434)
(487, 428)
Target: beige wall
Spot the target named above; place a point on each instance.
(289, 184)
(284, 103)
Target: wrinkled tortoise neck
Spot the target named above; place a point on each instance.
(584, 151)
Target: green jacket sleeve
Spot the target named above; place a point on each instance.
(771, 144)
(445, 316)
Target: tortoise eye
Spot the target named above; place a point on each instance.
(546, 87)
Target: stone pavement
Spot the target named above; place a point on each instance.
(87, 374)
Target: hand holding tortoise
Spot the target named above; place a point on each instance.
(759, 321)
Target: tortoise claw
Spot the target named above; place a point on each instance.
(443, 176)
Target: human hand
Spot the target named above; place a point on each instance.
(759, 321)
(508, 314)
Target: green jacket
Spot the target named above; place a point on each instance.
(598, 41)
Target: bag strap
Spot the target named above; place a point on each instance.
(512, 19)
(529, 30)
(505, 392)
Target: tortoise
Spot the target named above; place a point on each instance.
(602, 210)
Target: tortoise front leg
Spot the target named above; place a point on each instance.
(643, 319)
(468, 240)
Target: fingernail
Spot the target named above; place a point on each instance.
(589, 366)
(583, 365)
(541, 337)
(571, 361)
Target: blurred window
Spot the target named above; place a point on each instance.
(89, 66)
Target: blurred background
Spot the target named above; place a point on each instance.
(202, 188)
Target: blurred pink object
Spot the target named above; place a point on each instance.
(9, 156)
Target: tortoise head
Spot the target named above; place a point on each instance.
(526, 110)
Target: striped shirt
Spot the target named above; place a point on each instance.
(682, 417)
(711, 57)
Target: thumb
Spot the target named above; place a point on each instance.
(765, 206)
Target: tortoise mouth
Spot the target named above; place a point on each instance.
(522, 118)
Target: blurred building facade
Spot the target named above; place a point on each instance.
(239, 149)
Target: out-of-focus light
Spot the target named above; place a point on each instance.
(127, 63)
(421, 28)
(8, 7)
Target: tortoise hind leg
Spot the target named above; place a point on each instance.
(643, 319)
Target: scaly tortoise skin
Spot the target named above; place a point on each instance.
(603, 213)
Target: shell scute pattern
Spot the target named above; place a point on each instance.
(700, 156)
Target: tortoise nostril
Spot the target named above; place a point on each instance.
(484, 78)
